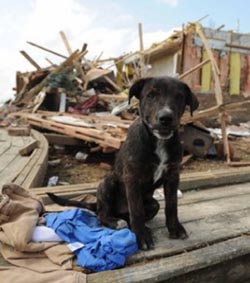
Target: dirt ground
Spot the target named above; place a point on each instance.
(98, 165)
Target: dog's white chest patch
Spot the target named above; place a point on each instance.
(163, 156)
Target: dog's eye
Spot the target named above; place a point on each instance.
(151, 94)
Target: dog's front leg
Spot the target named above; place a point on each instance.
(171, 183)
(137, 214)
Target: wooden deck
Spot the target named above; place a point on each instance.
(217, 220)
(217, 250)
(26, 171)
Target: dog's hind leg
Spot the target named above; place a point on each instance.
(151, 207)
(106, 200)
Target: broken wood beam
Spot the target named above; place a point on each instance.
(32, 61)
(197, 67)
(100, 137)
(46, 49)
(218, 89)
(66, 42)
(237, 46)
(36, 89)
(112, 83)
(215, 68)
(212, 111)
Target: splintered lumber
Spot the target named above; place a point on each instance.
(66, 42)
(212, 111)
(100, 136)
(215, 68)
(32, 61)
(48, 50)
(35, 90)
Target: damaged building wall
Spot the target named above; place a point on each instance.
(232, 54)
(164, 66)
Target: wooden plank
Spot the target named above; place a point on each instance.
(48, 50)
(32, 61)
(206, 74)
(234, 74)
(214, 178)
(169, 268)
(191, 197)
(33, 173)
(14, 168)
(197, 67)
(4, 146)
(215, 69)
(66, 42)
(27, 149)
(239, 163)
(36, 176)
(189, 181)
(62, 139)
(7, 158)
(91, 135)
(202, 210)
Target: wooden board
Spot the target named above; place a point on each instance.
(189, 182)
(218, 232)
(26, 171)
(218, 224)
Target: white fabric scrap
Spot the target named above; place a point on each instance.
(44, 234)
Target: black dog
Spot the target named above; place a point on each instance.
(149, 158)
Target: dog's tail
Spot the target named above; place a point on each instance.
(67, 202)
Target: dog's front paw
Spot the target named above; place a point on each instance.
(144, 239)
(178, 232)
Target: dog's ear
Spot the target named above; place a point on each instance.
(191, 99)
(136, 88)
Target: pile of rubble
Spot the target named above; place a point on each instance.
(82, 99)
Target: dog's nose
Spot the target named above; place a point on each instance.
(165, 117)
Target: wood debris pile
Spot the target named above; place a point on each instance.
(76, 98)
(85, 100)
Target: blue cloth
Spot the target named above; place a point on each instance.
(104, 248)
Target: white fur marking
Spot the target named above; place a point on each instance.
(156, 134)
(162, 154)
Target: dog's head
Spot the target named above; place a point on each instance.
(162, 103)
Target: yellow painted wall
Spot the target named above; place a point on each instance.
(234, 74)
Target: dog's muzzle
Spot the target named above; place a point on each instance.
(165, 124)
